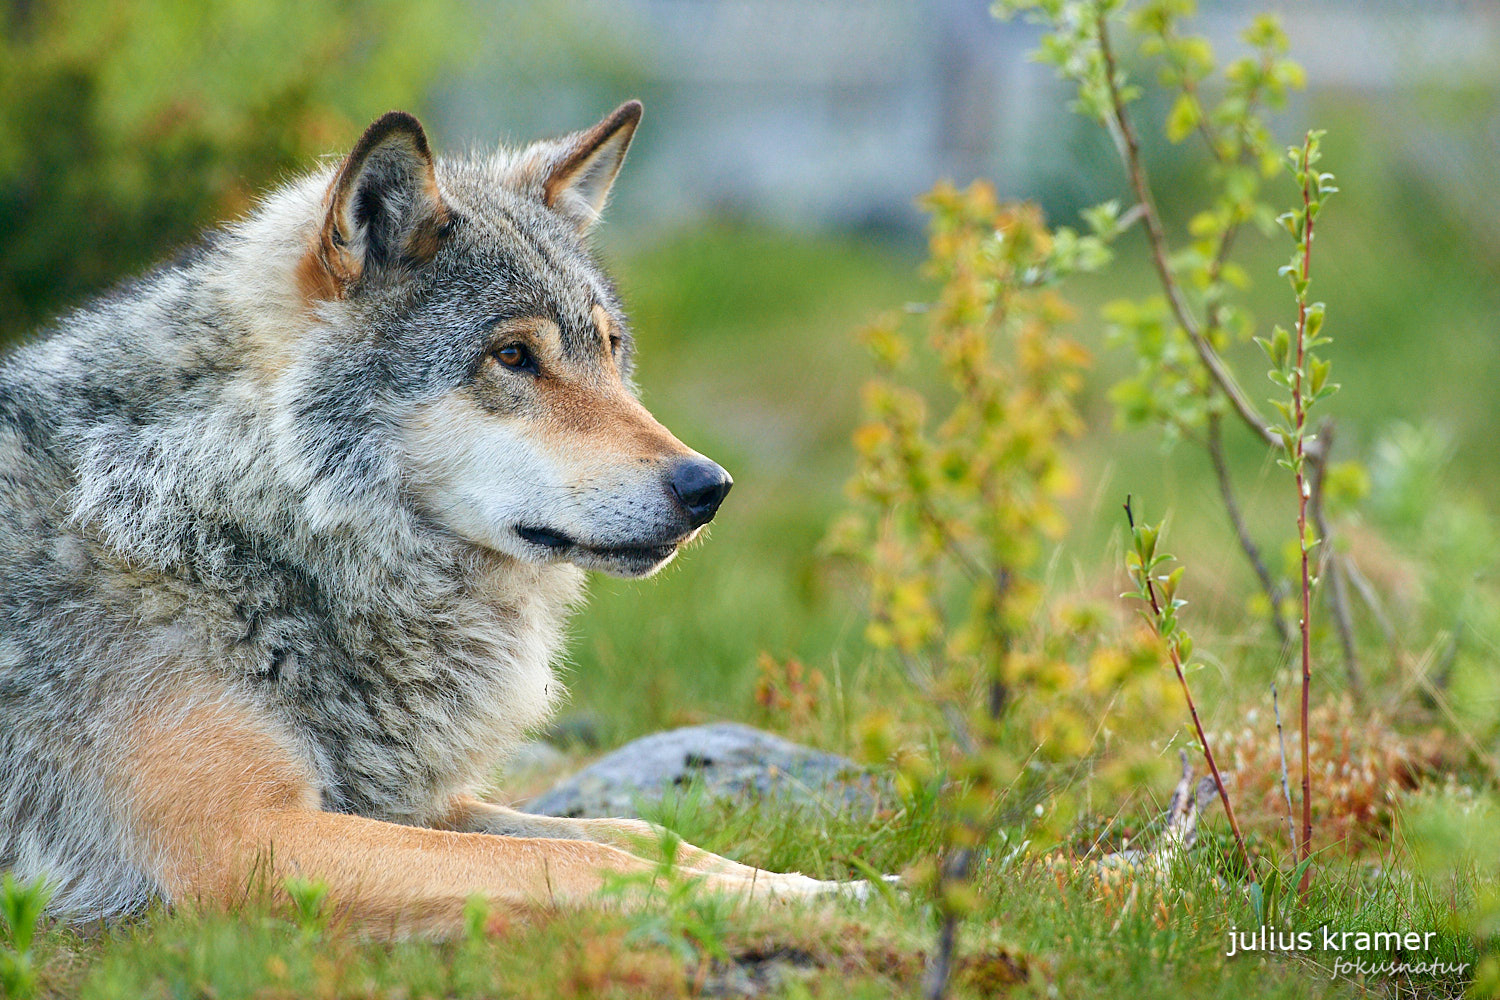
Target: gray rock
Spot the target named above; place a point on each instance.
(728, 759)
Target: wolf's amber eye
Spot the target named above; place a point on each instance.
(514, 356)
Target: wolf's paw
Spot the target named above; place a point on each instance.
(863, 891)
(858, 890)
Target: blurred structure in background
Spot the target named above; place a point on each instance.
(129, 125)
(839, 112)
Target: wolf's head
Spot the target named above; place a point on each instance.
(466, 285)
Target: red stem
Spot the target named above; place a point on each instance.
(1299, 412)
(1208, 754)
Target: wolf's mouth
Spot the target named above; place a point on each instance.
(547, 539)
(559, 543)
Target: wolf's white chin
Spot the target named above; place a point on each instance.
(631, 570)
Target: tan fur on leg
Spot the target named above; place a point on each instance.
(213, 792)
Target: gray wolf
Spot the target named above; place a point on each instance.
(289, 530)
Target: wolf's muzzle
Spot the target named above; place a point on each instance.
(699, 486)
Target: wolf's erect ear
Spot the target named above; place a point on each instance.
(385, 212)
(584, 166)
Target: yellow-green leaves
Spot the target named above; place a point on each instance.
(957, 492)
(1183, 118)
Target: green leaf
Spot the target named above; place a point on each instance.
(1169, 585)
(1319, 375)
(1265, 345)
(1145, 542)
(1281, 341)
(21, 906)
(1183, 118)
(1314, 320)
(1103, 219)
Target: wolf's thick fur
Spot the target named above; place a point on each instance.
(289, 529)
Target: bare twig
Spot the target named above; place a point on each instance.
(1286, 790)
(1129, 148)
(1332, 563)
(1215, 448)
(1444, 671)
(940, 969)
(998, 693)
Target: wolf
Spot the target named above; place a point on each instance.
(290, 529)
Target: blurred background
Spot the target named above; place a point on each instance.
(767, 211)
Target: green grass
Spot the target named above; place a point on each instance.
(1040, 930)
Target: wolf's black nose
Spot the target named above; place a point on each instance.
(700, 486)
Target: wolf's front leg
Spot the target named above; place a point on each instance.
(635, 836)
(215, 795)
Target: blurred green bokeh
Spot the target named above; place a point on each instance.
(128, 125)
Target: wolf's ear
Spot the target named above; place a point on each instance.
(584, 166)
(384, 210)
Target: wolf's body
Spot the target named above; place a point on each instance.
(289, 530)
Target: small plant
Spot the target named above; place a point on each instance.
(1185, 385)
(1141, 562)
(1299, 369)
(692, 925)
(21, 905)
(309, 903)
(957, 494)
(789, 692)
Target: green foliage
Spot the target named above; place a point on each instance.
(1173, 388)
(961, 503)
(21, 907)
(1158, 595)
(958, 486)
(1296, 364)
(956, 503)
(1183, 385)
(309, 903)
(957, 491)
(668, 908)
(1141, 562)
(128, 126)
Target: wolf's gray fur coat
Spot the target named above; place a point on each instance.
(284, 481)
